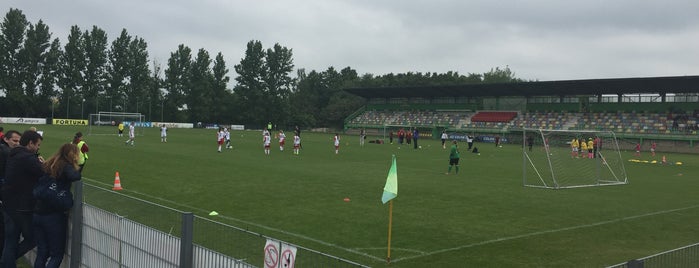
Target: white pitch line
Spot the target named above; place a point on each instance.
(253, 224)
(546, 232)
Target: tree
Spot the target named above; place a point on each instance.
(222, 97)
(250, 90)
(279, 64)
(118, 71)
(177, 82)
(138, 75)
(498, 75)
(200, 95)
(33, 57)
(13, 30)
(51, 72)
(74, 67)
(96, 68)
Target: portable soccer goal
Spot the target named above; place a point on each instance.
(106, 123)
(550, 161)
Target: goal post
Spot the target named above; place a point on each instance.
(550, 161)
(106, 123)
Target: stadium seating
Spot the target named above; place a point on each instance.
(620, 122)
(491, 116)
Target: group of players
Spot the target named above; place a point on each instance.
(224, 137)
(579, 147)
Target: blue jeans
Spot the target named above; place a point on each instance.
(16, 223)
(50, 231)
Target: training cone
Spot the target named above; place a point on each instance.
(213, 213)
(117, 182)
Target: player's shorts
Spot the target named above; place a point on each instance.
(121, 131)
(453, 161)
(652, 150)
(296, 146)
(266, 146)
(281, 143)
(220, 142)
(575, 149)
(589, 150)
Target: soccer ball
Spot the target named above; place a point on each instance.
(419, 147)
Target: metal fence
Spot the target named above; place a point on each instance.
(110, 229)
(687, 256)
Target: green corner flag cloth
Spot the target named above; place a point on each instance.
(390, 191)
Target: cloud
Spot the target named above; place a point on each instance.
(537, 39)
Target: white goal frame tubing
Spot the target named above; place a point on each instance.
(527, 160)
(132, 116)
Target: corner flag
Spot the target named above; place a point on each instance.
(390, 191)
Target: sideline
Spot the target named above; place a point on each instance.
(420, 253)
(546, 232)
(246, 222)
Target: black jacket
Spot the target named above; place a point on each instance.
(64, 181)
(4, 154)
(22, 171)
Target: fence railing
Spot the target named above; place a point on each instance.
(111, 229)
(687, 256)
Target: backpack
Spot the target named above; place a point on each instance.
(52, 194)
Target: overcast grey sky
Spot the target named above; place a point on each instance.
(537, 39)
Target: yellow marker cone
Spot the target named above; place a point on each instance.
(213, 213)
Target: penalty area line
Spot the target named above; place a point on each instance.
(546, 232)
(250, 223)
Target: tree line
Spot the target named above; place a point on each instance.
(40, 77)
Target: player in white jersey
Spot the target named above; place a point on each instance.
(220, 136)
(282, 140)
(132, 134)
(228, 138)
(336, 141)
(297, 143)
(163, 133)
(266, 141)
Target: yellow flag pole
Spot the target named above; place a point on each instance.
(390, 224)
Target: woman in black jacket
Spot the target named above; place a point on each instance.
(50, 216)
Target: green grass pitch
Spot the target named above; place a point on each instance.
(482, 217)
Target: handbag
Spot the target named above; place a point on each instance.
(51, 193)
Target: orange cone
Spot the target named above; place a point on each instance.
(117, 182)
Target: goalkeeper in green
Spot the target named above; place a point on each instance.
(454, 158)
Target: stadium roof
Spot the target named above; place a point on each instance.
(648, 85)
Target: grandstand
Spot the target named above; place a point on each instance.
(654, 108)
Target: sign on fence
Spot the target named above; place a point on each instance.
(279, 255)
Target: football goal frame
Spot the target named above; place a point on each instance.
(549, 161)
(106, 123)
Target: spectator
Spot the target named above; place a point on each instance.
(51, 220)
(22, 171)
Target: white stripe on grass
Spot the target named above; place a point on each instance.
(245, 222)
(421, 253)
(546, 232)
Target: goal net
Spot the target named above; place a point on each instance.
(106, 123)
(558, 159)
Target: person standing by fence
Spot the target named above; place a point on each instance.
(83, 149)
(50, 215)
(23, 169)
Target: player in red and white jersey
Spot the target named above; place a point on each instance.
(266, 141)
(336, 141)
(221, 136)
(297, 143)
(282, 140)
